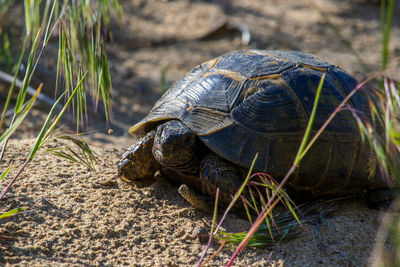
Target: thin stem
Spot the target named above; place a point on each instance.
(13, 179)
(214, 254)
(338, 108)
(199, 264)
(3, 149)
(264, 212)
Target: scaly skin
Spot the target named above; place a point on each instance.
(137, 165)
(197, 200)
(176, 147)
(218, 172)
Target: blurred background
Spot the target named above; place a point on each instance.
(152, 43)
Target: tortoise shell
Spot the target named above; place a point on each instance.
(254, 101)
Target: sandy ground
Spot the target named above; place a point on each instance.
(80, 217)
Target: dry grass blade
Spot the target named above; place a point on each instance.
(47, 128)
(84, 156)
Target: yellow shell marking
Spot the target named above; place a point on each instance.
(231, 74)
(211, 63)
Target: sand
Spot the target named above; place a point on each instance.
(81, 217)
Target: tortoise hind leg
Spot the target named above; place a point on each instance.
(214, 172)
(382, 197)
(218, 172)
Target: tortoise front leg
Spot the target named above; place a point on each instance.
(137, 164)
(382, 197)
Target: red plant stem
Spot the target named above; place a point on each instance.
(338, 108)
(6, 142)
(232, 203)
(199, 264)
(268, 206)
(3, 149)
(387, 221)
(264, 212)
(13, 179)
(214, 254)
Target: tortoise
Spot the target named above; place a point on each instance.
(206, 129)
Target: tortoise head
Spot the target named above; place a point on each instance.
(176, 147)
(137, 164)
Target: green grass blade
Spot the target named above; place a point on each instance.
(12, 212)
(387, 10)
(214, 220)
(49, 125)
(28, 25)
(47, 32)
(239, 192)
(5, 172)
(20, 117)
(105, 81)
(301, 152)
(73, 157)
(232, 203)
(273, 201)
(256, 225)
(246, 209)
(11, 90)
(30, 68)
(45, 19)
(57, 152)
